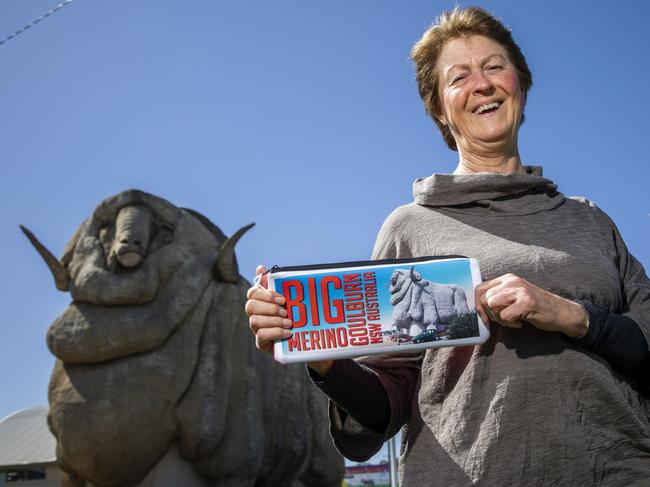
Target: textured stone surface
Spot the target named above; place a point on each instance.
(154, 353)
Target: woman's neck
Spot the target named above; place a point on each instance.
(498, 162)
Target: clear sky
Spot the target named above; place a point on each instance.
(300, 116)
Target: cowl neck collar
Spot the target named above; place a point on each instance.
(513, 194)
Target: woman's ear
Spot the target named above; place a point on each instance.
(440, 116)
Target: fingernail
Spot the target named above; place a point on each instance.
(283, 312)
(279, 299)
(286, 323)
(287, 333)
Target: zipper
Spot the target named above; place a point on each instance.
(258, 278)
(359, 263)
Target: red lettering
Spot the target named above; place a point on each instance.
(330, 334)
(356, 320)
(314, 340)
(359, 341)
(295, 302)
(354, 305)
(342, 336)
(357, 332)
(294, 342)
(353, 286)
(353, 295)
(304, 341)
(351, 277)
(313, 301)
(339, 317)
(375, 334)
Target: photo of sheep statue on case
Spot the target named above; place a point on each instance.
(383, 306)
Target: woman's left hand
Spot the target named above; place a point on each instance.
(510, 300)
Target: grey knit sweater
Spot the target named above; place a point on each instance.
(528, 407)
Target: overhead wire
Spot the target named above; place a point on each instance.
(36, 21)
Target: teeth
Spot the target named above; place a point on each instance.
(488, 106)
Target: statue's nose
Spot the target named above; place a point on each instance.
(131, 242)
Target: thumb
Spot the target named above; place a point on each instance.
(265, 278)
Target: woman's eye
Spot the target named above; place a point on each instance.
(460, 77)
(494, 67)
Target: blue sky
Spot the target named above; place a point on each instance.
(302, 117)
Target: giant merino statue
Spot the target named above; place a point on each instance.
(154, 352)
(420, 305)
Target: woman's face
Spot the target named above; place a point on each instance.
(480, 97)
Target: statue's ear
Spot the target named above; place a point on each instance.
(58, 270)
(164, 235)
(226, 268)
(415, 275)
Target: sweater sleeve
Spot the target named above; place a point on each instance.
(359, 410)
(370, 400)
(617, 338)
(365, 401)
(635, 285)
(622, 336)
(360, 425)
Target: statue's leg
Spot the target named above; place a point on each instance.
(416, 328)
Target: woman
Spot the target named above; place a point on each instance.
(553, 397)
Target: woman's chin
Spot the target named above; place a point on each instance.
(493, 140)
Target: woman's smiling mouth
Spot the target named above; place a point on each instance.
(488, 108)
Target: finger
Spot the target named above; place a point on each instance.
(263, 345)
(264, 281)
(500, 297)
(488, 288)
(257, 322)
(480, 299)
(514, 315)
(509, 324)
(518, 311)
(263, 294)
(479, 307)
(492, 315)
(497, 318)
(265, 337)
(268, 348)
(487, 285)
(505, 281)
(256, 307)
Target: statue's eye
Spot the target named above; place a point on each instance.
(107, 232)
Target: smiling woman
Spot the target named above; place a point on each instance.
(559, 393)
(481, 102)
(445, 41)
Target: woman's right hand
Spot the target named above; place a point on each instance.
(266, 316)
(268, 320)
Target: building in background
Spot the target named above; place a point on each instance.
(28, 457)
(367, 475)
(28, 451)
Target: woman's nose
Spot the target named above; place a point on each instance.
(481, 82)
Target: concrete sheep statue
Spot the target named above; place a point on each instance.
(154, 355)
(419, 304)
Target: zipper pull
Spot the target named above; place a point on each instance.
(258, 278)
